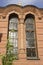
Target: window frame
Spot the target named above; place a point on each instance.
(9, 30)
(35, 37)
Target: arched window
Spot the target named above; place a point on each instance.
(13, 32)
(30, 37)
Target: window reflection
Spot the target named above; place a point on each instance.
(29, 27)
(30, 36)
(30, 43)
(13, 33)
(29, 20)
(13, 23)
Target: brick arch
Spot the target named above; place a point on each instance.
(32, 10)
(21, 11)
(12, 9)
(29, 13)
(12, 13)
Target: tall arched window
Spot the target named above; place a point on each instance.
(13, 32)
(30, 37)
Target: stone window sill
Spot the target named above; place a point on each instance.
(33, 58)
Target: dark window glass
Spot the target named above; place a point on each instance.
(30, 42)
(30, 36)
(31, 52)
(29, 27)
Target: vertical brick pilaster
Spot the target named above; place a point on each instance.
(22, 54)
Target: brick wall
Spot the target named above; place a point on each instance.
(22, 12)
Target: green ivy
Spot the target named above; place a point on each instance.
(9, 57)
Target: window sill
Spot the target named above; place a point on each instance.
(32, 58)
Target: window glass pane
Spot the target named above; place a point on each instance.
(30, 34)
(13, 33)
(31, 52)
(15, 50)
(29, 20)
(14, 20)
(29, 27)
(30, 42)
(15, 43)
(11, 40)
(13, 24)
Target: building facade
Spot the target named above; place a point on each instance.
(24, 26)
